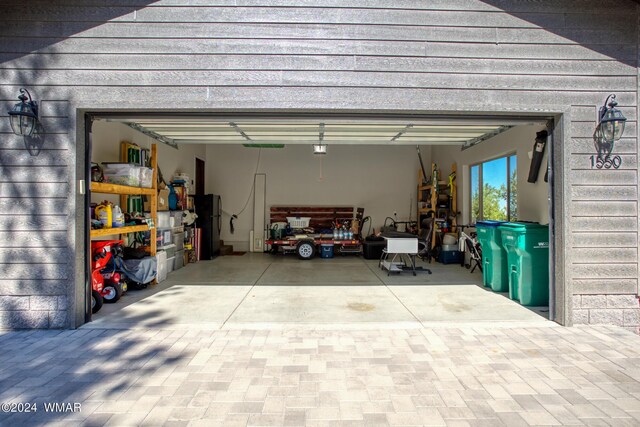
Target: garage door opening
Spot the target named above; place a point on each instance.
(434, 177)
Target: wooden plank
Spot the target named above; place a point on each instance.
(120, 230)
(51, 141)
(153, 200)
(33, 224)
(605, 286)
(257, 46)
(51, 125)
(604, 224)
(604, 255)
(598, 176)
(23, 158)
(605, 271)
(29, 239)
(604, 192)
(317, 98)
(513, 6)
(14, 174)
(605, 208)
(243, 30)
(34, 189)
(584, 129)
(32, 206)
(600, 240)
(106, 188)
(22, 255)
(326, 78)
(626, 145)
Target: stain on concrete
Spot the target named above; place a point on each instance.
(455, 307)
(360, 306)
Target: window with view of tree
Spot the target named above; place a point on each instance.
(494, 190)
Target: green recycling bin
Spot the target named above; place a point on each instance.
(494, 256)
(527, 246)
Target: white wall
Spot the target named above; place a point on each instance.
(533, 204)
(106, 148)
(380, 179)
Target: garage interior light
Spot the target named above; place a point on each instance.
(319, 148)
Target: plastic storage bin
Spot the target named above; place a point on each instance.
(527, 245)
(178, 262)
(161, 262)
(326, 251)
(146, 177)
(170, 264)
(169, 249)
(164, 220)
(494, 256)
(178, 240)
(122, 174)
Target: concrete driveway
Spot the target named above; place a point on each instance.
(277, 342)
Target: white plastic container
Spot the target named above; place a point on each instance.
(161, 260)
(298, 221)
(146, 177)
(122, 174)
(170, 264)
(164, 220)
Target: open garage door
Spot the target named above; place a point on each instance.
(258, 161)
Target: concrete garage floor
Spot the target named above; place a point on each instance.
(256, 291)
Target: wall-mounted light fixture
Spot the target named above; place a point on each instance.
(319, 148)
(24, 115)
(610, 126)
(24, 122)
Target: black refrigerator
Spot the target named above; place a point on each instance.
(209, 211)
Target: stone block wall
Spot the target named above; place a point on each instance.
(619, 310)
(33, 311)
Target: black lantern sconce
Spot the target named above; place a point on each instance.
(24, 122)
(24, 115)
(610, 127)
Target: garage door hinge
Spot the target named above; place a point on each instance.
(81, 187)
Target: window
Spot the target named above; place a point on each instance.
(494, 190)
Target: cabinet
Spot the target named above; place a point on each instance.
(123, 190)
(437, 200)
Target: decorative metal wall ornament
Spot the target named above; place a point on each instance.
(609, 129)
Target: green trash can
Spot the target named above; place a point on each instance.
(494, 256)
(527, 246)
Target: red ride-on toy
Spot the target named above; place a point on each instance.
(107, 283)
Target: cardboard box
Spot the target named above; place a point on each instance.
(163, 200)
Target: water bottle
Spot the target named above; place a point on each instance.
(340, 234)
(335, 233)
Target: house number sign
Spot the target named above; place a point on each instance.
(606, 162)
